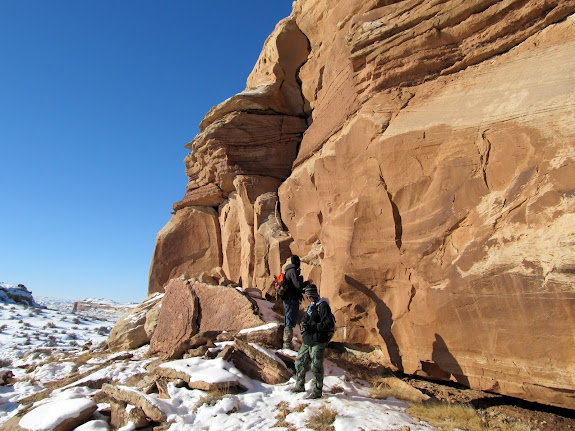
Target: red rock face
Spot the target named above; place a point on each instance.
(431, 195)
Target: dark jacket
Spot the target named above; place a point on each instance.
(316, 323)
(296, 284)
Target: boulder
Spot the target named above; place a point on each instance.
(225, 309)
(129, 332)
(203, 374)
(258, 364)
(63, 415)
(269, 335)
(127, 395)
(152, 319)
(123, 414)
(177, 321)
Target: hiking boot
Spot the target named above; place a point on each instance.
(297, 389)
(313, 396)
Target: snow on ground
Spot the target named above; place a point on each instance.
(26, 329)
(41, 346)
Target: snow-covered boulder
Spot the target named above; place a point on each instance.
(61, 415)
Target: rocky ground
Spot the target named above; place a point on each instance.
(499, 408)
(496, 411)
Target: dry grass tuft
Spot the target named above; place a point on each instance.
(282, 411)
(451, 417)
(322, 419)
(213, 397)
(385, 387)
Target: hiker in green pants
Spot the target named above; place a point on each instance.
(317, 328)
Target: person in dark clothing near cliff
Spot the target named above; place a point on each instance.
(317, 327)
(292, 298)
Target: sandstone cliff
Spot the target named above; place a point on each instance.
(419, 157)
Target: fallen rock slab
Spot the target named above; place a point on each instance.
(128, 395)
(123, 414)
(203, 374)
(177, 321)
(225, 308)
(62, 415)
(268, 335)
(256, 363)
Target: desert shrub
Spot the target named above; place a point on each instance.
(20, 321)
(52, 341)
(49, 325)
(5, 363)
(76, 321)
(64, 318)
(322, 419)
(27, 324)
(2, 327)
(212, 397)
(102, 330)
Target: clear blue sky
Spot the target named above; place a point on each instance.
(97, 100)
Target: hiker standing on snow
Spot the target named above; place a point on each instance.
(317, 327)
(292, 298)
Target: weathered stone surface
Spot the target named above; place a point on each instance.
(273, 83)
(453, 232)
(72, 413)
(123, 413)
(226, 353)
(237, 226)
(189, 244)
(152, 319)
(136, 398)
(129, 332)
(225, 309)
(271, 242)
(177, 322)
(258, 365)
(431, 198)
(269, 335)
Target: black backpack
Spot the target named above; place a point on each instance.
(331, 317)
